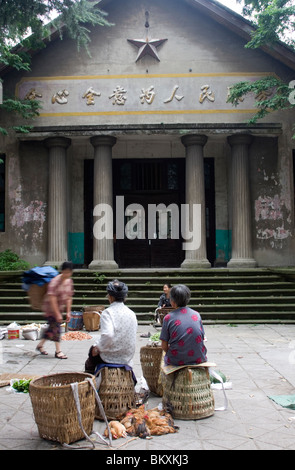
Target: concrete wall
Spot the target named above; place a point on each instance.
(26, 201)
(197, 51)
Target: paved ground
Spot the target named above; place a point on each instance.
(257, 359)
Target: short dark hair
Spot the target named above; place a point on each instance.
(67, 265)
(118, 290)
(180, 294)
(167, 284)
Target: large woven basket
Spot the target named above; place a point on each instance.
(36, 296)
(55, 409)
(189, 393)
(116, 392)
(151, 360)
(162, 312)
(91, 318)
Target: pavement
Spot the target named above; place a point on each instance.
(257, 359)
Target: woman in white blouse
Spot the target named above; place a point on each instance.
(118, 327)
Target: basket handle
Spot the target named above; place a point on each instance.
(98, 313)
(75, 391)
(217, 376)
(102, 412)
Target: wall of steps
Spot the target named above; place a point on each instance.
(220, 295)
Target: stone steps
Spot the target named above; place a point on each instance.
(218, 294)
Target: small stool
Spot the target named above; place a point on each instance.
(116, 392)
(188, 391)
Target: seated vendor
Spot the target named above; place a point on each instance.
(118, 327)
(182, 333)
(164, 300)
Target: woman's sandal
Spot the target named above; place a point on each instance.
(41, 350)
(60, 355)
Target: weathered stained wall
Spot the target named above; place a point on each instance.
(26, 201)
(197, 52)
(272, 201)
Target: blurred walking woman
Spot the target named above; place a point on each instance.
(57, 301)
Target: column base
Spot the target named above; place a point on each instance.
(195, 264)
(103, 264)
(242, 263)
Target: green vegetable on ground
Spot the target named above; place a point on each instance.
(216, 381)
(21, 385)
(155, 337)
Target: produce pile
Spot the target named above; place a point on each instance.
(32, 325)
(154, 340)
(21, 385)
(75, 336)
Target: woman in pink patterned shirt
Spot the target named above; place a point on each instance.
(57, 300)
(182, 333)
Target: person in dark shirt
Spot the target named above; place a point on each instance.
(164, 300)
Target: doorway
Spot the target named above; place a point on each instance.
(147, 182)
(151, 239)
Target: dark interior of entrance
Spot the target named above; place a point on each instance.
(148, 182)
(145, 182)
(294, 178)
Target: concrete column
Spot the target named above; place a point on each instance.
(242, 255)
(103, 249)
(57, 201)
(195, 194)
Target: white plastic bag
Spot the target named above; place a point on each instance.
(30, 333)
(141, 385)
(3, 332)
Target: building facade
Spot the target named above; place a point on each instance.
(137, 160)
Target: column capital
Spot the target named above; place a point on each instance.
(98, 140)
(57, 142)
(240, 139)
(194, 139)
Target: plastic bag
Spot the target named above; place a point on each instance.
(141, 385)
(142, 391)
(3, 332)
(30, 333)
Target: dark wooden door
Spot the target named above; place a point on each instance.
(149, 249)
(145, 184)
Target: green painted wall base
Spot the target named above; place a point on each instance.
(76, 247)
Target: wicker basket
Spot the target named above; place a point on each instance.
(36, 296)
(189, 393)
(55, 408)
(162, 312)
(151, 359)
(91, 318)
(116, 392)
